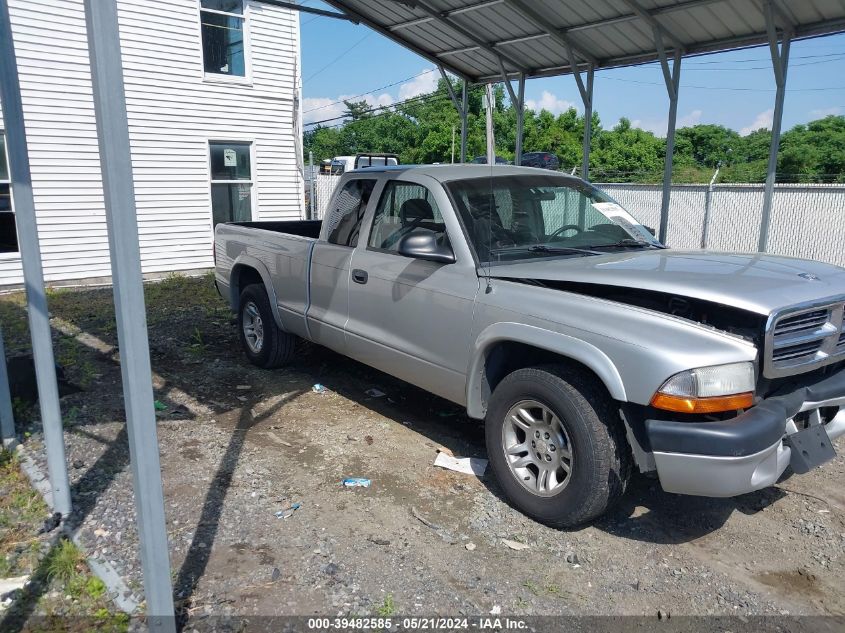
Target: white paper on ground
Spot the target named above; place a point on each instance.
(467, 465)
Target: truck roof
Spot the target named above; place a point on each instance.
(449, 172)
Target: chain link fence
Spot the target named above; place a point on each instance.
(808, 220)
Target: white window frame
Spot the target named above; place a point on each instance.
(252, 182)
(219, 78)
(8, 181)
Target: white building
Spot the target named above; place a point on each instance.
(213, 98)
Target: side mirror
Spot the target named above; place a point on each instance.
(422, 244)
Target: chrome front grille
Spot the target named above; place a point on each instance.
(802, 339)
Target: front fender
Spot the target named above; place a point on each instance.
(242, 262)
(562, 344)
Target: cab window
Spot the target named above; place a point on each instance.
(405, 207)
(345, 217)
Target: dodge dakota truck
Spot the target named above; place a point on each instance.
(547, 310)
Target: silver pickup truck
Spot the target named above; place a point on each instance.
(542, 306)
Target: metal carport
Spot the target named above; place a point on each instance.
(483, 41)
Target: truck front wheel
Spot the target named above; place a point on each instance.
(264, 343)
(556, 444)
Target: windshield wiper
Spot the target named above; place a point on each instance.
(627, 243)
(542, 248)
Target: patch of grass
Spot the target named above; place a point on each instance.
(71, 417)
(387, 608)
(21, 410)
(64, 562)
(532, 587)
(21, 512)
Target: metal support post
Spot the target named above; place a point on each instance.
(588, 124)
(464, 115)
(461, 107)
(312, 177)
(33, 273)
(780, 63)
(673, 82)
(518, 102)
(587, 100)
(121, 218)
(520, 119)
(7, 417)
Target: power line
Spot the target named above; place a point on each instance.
(655, 83)
(757, 59)
(426, 98)
(336, 59)
(364, 94)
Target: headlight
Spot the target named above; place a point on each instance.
(708, 389)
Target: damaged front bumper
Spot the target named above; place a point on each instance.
(751, 451)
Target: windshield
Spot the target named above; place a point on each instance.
(509, 218)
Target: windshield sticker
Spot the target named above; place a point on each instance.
(614, 212)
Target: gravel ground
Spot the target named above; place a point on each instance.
(239, 444)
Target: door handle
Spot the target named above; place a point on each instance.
(359, 276)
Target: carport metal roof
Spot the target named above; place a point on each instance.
(475, 38)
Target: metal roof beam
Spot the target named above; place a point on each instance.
(451, 90)
(558, 35)
(446, 14)
(672, 8)
(378, 28)
(507, 42)
(637, 8)
(448, 22)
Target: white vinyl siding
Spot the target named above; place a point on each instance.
(173, 113)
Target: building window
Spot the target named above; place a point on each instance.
(231, 181)
(8, 231)
(223, 48)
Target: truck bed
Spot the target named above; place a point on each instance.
(279, 251)
(302, 228)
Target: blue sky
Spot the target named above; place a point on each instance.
(735, 89)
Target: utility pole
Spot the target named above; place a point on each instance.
(453, 144)
(491, 140)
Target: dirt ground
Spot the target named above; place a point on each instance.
(239, 444)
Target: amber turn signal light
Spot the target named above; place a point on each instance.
(716, 404)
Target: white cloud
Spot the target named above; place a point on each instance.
(323, 108)
(549, 102)
(823, 112)
(423, 84)
(763, 120)
(688, 120)
(658, 126)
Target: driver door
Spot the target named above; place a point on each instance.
(409, 317)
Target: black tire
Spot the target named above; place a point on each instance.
(601, 461)
(277, 347)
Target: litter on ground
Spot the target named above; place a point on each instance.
(467, 465)
(357, 482)
(515, 545)
(287, 512)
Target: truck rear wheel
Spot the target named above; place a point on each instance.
(556, 445)
(264, 343)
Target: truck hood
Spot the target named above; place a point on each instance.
(754, 282)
